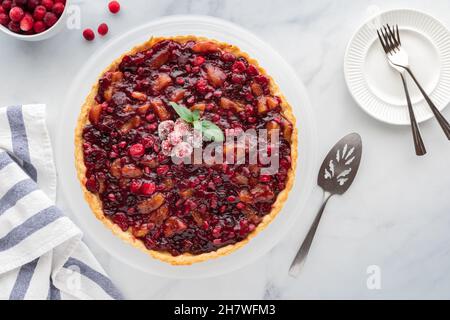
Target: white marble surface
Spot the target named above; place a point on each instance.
(397, 213)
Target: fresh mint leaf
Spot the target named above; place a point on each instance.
(195, 115)
(198, 126)
(184, 113)
(211, 131)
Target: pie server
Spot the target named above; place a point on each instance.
(336, 174)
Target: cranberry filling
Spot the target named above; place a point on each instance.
(176, 207)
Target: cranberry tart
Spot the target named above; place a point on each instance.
(181, 213)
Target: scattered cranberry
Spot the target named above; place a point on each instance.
(2, 10)
(39, 13)
(88, 34)
(58, 8)
(114, 7)
(26, 24)
(50, 19)
(103, 29)
(48, 4)
(16, 14)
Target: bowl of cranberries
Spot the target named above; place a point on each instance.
(32, 20)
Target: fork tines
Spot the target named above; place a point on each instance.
(389, 38)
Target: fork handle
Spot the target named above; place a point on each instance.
(439, 117)
(418, 142)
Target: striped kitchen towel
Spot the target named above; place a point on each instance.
(41, 252)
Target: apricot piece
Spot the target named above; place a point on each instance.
(131, 171)
(205, 47)
(94, 113)
(151, 204)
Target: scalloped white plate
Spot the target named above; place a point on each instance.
(377, 88)
(275, 65)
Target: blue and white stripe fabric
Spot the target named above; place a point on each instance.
(41, 252)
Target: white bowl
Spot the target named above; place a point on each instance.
(58, 26)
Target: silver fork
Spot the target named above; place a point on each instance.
(398, 60)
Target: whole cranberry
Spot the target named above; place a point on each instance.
(201, 85)
(114, 7)
(14, 26)
(19, 3)
(103, 29)
(39, 13)
(252, 71)
(198, 61)
(16, 14)
(135, 186)
(228, 57)
(263, 80)
(88, 34)
(32, 4)
(4, 19)
(237, 78)
(148, 188)
(137, 150)
(7, 5)
(179, 80)
(238, 67)
(58, 8)
(39, 26)
(26, 24)
(162, 170)
(50, 19)
(240, 205)
(48, 4)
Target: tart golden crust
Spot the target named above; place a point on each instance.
(96, 204)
